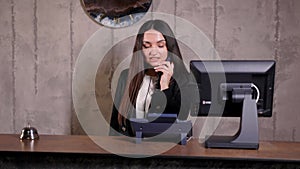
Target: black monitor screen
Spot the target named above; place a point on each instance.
(212, 76)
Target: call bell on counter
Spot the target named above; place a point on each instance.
(29, 133)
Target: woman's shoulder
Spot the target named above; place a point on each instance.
(123, 75)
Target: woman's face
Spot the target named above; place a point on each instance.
(154, 47)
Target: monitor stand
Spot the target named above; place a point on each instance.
(247, 137)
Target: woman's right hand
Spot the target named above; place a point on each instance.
(166, 67)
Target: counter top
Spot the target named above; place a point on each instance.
(268, 151)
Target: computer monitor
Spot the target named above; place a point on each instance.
(235, 88)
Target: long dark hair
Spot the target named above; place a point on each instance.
(138, 66)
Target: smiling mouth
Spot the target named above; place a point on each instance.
(154, 59)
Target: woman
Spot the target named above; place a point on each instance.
(155, 80)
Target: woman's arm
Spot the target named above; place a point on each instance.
(166, 101)
(174, 100)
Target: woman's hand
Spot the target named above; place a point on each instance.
(166, 68)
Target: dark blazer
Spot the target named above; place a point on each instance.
(173, 105)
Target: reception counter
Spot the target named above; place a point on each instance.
(61, 151)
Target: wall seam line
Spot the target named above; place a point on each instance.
(13, 43)
(215, 27)
(175, 14)
(277, 27)
(276, 57)
(215, 24)
(71, 62)
(35, 29)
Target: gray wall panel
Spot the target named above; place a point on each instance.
(7, 38)
(52, 106)
(41, 40)
(287, 124)
(25, 54)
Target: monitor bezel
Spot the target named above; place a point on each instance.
(262, 71)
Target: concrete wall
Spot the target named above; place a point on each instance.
(40, 41)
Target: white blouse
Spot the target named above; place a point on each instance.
(144, 96)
